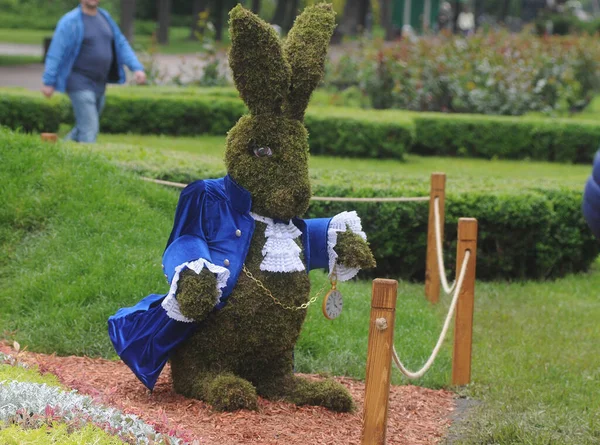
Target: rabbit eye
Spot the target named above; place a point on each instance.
(262, 152)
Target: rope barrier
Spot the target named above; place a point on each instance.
(432, 357)
(438, 245)
(315, 198)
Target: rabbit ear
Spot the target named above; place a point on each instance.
(260, 72)
(306, 49)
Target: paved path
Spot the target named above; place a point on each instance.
(184, 67)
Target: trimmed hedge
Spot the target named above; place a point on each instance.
(487, 137)
(29, 114)
(531, 234)
(334, 131)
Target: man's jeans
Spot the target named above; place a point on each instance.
(87, 107)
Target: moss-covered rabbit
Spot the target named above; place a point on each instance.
(238, 256)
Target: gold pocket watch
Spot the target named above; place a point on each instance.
(332, 302)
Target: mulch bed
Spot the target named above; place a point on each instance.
(416, 415)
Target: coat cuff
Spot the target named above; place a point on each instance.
(170, 303)
(339, 223)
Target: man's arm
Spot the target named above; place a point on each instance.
(54, 56)
(129, 58)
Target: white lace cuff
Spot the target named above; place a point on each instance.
(170, 303)
(339, 223)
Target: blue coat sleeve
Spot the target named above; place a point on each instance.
(591, 198)
(315, 243)
(56, 51)
(187, 241)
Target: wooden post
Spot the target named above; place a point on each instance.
(463, 330)
(432, 274)
(379, 361)
(49, 137)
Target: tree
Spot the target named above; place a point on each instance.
(354, 19)
(385, 16)
(127, 18)
(218, 17)
(197, 7)
(255, 6)
(279, 14)
(164, 20)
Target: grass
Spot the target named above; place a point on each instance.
(12, 60)
(24, 36)
(83, 239)
(181, 158)
(179, 42)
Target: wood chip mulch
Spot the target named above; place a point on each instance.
(416, 415)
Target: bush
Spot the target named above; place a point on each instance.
(29, 114)
(526, 234)
(505, 138)
(489, 73)
(335, 131)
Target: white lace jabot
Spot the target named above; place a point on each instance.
(280, 252)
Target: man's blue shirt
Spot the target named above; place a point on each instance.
(91, 68)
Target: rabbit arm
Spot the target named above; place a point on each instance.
(195, 281)
(306, 50)
(338, 244)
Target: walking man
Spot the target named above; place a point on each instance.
(88, 50)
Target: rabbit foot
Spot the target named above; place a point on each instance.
(301, 391)
(228, 392)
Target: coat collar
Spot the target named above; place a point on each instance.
(238, 196)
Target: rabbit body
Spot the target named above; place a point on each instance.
(246, 348)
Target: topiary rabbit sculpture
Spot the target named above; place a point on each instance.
(238, 255)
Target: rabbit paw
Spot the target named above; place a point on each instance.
(196, 293)
(353, 251)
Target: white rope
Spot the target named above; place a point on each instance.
(316, 198)
(427, 365)
(438, 246)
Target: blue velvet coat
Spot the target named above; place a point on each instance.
(591, 198)
(212, 221)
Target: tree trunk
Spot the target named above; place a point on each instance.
(504, 11)
(349, 22)
(290, 15)
(127, 18)
(256, 6)
(279, 14)
(197, 7)
(478, 11)
(385, 17)
(455, 14)
(218, 8)
(164, 20)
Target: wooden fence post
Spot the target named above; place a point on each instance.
(49, 137)
(463, 330)
(379, 361)
(432, 274)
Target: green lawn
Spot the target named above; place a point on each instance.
(196, 156)
(81, 239)
(11, 60)
(179, 42)
(27, 36)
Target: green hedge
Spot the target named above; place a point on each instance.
(333, 130)
(30, 114)
(487, 137)
(522, 235)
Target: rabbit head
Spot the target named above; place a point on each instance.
(267, 150)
